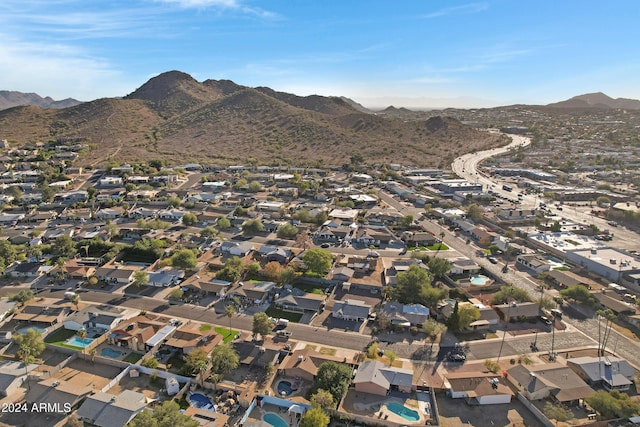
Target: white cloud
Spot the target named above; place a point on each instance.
(234, 5)
(463, 9)
(57, 70)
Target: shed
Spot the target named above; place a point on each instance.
(172, 386)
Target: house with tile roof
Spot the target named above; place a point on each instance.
(478, 388)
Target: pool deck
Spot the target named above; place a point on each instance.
(255, 418)
(375, 406)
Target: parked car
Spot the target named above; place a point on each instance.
(283, 333)
(457, 357)
(325, 245)
(493, 260)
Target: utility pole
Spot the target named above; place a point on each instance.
(506, 328)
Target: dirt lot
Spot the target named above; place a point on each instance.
(456, 413)
(141, 384)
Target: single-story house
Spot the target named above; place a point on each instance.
(418, 238)
(115, 274)
(549, 380)
(464, 266)
(108, 410)
(42, 313)
(609, 372)
(12, 375)
(133, 333)
(254, 355)
(514, 310)
(190, 337)
(375, 377)
(405, 314)
(253, 292)
(534, 262)
(273, 253)
(342, 274)
(56, 392)
(299, 301)
(213, 287)
(95, 318)
(27, 269)
(164, 278)
(236, 248)
(304, 363)
(351, 309)
(478, 388)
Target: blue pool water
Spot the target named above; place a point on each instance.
(35, 328)
(284, 388)
(76, 341)
(201, 401)
(109, 352)
(479, 280)
(403, 411)
(274, 420)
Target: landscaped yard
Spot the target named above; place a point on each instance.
(204, 328)
(132, 357)
(438, 247)
(281, 314)
(328, 351)
(309, 288)
(226, 335)
(59, 338)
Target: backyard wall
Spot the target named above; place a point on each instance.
(535, 411)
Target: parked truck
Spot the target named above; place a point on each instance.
(282, 322)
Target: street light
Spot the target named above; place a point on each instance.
(506, 328)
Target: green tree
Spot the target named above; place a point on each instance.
(453, 322)
(333, 377)
(224, 359)
(223, 223)
(195, 363)
(75, 300)
(556, 227)
(603, 334)
(165, 415)
(411, 283)
(391, 356)
(48, 193)
(406, 221)
(315, 417)
(322, 399)
(174, 202)
(578, 293)
(140, 278)
(468, 314)
(176, 293)
(474, 211)
(230, 311)
(439, 267)
(254, 187)
(287, 231)
(317, 260)
(82, 334)
(252, 226)
(150, 362)
(189, 219)
(208, 232)
(30, 346)
(261, 324)
(613, 404)
(184, 259)
(556, 412)
(22, 297)
(64, 247)
(510, 293)
(433, 329)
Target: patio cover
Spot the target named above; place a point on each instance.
(296, 409)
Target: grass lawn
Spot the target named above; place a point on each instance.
(59, 336)
(438, 247)
(132, 357)
(176, 363)
(281, 314)
(205, 328)
(226, 336)
(328, 351)
(312, 347)
(309, 288)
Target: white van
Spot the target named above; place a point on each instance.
(69, 295)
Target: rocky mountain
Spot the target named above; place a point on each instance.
(10, 99)
(176, 118)
(597, 100)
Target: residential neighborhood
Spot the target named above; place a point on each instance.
(247, 294)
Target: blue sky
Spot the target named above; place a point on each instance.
(424, 53)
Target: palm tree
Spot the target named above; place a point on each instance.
(82, 334)
(442, 234)
(229, 311)
(75, 300)
(92, 353)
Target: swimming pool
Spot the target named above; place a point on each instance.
(284, 388)
(35, 328)
(479, 280)
(76, 341)
(109, 352)
(201, 401)
(274, 420)
(403, 411)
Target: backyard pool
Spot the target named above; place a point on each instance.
(76, 341)
(201, 401)
(24, 330)
(479, 280)
(275, 420)
(109, 352)
(403, 411)
(284, 388)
